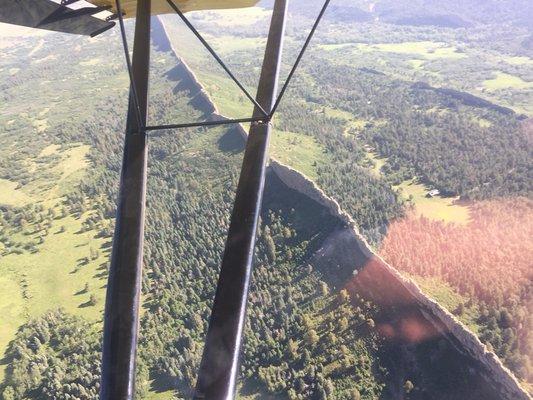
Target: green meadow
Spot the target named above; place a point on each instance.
(503, 80)
(298, 151)
(437, 207)
(67, 265)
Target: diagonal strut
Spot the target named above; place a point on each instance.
(300, 56)
(215, 56)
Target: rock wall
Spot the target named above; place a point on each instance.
(188, 80)
(384, 284)
(355, 265)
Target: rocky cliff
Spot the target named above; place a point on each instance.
(352, 264)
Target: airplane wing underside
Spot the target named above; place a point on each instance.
(46, 14)
(81, 20)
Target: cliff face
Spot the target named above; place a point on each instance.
(421, 339)
(349, 262)
(187, 80)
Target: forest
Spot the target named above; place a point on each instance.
(421, 133)
(469, 148)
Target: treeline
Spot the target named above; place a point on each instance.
(488, 261)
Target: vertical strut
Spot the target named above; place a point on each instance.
(124, 284)
(220, 362)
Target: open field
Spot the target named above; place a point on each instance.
(437, 207)
(505, 81)
(52, 277)
(11, 195)
(298, 151)
(227, 44)
(64, 258)
(518, 60)
(426, 49)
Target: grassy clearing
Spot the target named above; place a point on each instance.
(91, 62)
(417, 63)
(505, 81)
(484, 123)
(10, 195)
(49, 150)
(423, 50)
(376, 161)
(229, 44)
(332, 47)
(153, 395)
(436, 208)
(297, 150)
(336, 113)
(226, 95)
(52, 277)
(40, 125)
(59, 172)
(353, 124)
(518, 60)
(427, 49)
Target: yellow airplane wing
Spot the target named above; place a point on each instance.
(162, 7)
(81, 18)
